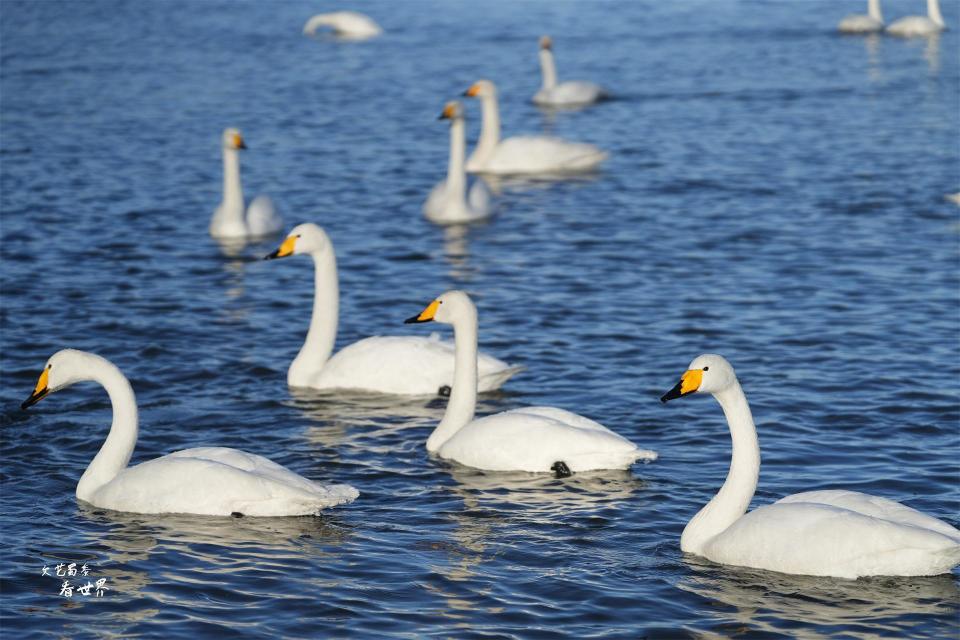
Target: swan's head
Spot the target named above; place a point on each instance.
(453, 110)
(232, 139)
(303, 238)
(447, 309)
(546, 42)
(63, 369)
(708, 373)
(481, 89)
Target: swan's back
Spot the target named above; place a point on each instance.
(541, 154)
(438, 208)
(218, 481)
(570, 93)
(859, 23)
(263, 218)
(913, 26)
(534, 438)
(409, 365)
(838, 533)
(344, 23)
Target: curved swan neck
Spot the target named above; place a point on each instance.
(118, 447)
(232, 189)
(873, 10)
(463, 395)
(322, 334)
(489, 127)
(548, 69)
(933, 11)
(456, 177)
(734, 496)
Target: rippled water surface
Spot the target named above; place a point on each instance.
(774, 193)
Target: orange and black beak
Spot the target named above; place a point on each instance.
(285, 249)
(689, 382)
(40, 392)
(472, 91)
(426, 315)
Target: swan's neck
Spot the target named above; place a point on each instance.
(489, 129)
(318, 346)
(463, 395)
(548, 69)
(456, 178)
(734, 496)
(873, 10)
(118, 447)
(232, 190)
(933, 10)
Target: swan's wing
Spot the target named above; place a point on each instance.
(263, 218)
(533, 439)
(874, 507)
(218, 481)
(859, 23)
(436, 200)
(575, 92)
(411, 365)
(479, 198)
(820, 539)
(541, 154)
(347, 23)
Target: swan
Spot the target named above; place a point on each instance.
(228, 220)
(953, 197)
(536, 439)
(404, 365)
(911, 26)
(349, 25)
(844, 534)
(447, 202)
(564, 94)
(859, 23)
(523, 154)
(212, 481)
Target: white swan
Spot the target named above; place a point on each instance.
(859, 23)
(208, 480)
(448, 202)
(349, 25)
(953, 197)
(523, 154)
(229, 221)
(844, 534)
(538, 439)
(564, 94)
(911, 26)
(405, 365)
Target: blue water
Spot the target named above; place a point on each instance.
(774, 194)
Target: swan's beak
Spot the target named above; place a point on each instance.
(426, 315)
(286, 249)
(40, 392)
(238, 142)
(546, 42)
(472, 91)
(448, 112)
(689, 382)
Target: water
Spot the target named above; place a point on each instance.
(775, 194)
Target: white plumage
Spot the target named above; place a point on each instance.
(231, 220)
(914, 26)
(348, 25)
(450, 202)
(553, 93)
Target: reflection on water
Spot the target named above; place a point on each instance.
(872, 44)
(931, 53)
(771, 602)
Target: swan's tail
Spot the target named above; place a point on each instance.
(331, 495)
(496, 379)
(586, 161)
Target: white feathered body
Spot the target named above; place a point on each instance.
(443, 210)
(913, 26)
(537, 155)
(534, 438)
(843, 534)
(347, 24)
(860, 23)
(217, 481)
(570, 94)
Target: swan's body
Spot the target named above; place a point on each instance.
(912, 26)
(536, 439)
(562, 94)
(404, 365)
(205, 480)
(844, 534)
(859, 23)
(231, 219)
(953, 197)
(524, 154)
(349, 25)
(448, 202)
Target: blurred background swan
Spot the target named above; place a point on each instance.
(231, 219)
(912, 26)
(860, 23)
(448, 202)
(571, 93)
(347, 25)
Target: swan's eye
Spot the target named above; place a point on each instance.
(706, 368)
(298, 235)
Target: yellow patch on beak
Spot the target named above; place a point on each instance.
(449, 111)
(473, 90)
(690, 381)
(238, 141)
(42, 382)
(286, 249)
(429, 312)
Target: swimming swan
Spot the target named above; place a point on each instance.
(210, 481)
(564, 94)
(405, 365)
(538, 439)
(859, 23)
(919, 25)
(228, 220)
(523, 154)
(348, 25)
(447, 202)
(844, 534)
